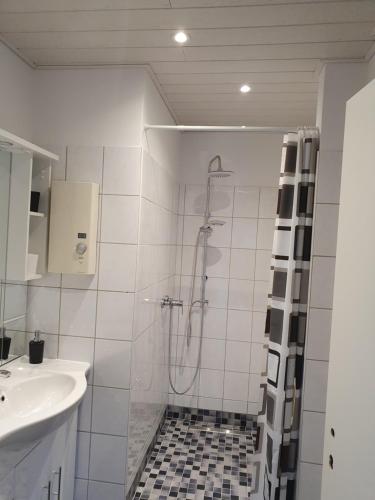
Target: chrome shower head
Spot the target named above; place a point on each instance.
(216, 222)
(219, 172)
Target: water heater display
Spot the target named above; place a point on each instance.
(73, 227)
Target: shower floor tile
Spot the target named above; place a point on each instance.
(193, 461)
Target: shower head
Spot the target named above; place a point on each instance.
(219, 172)
(216, 222)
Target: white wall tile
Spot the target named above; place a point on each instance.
(236, 386)
(234, 406)
(261, 289)
(315, 385)
(187, 355)
(246, 201)
(98, 490)
(78, 312)
(82, 456)
(213, 354)
(244, 233)
(215, 322)
(122, 170)
(80, 489)
(263, 265)
(112, 363)
(237, 356)
(253, 408)
(59, 167)
(239, 325)
(329, 177)
(325, 229)
(266, 229)
(312, 437)
(191, 228)
(309, 481)
(221, 201)
(110, 409)
(117, 267)
(218, 262)
(120, 219)
(217, 292)
(84, 411)
(211, 383)
(195, 199)
(77, 349)
(115, 315)
(240, 294)
(188, 255)
(242, 263)
(318, 334)
(108, 458)
(322, 281)
(221, 235)
(85, 164)
(43, 306)
(268, 203)
(210, 404)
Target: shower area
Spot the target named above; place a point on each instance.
(212, 443)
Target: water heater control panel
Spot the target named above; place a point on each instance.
(73, 227)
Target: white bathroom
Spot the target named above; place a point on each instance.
(185, 221)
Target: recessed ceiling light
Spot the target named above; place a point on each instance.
(245, 88)
(181, 37)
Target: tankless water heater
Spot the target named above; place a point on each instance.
(73, 227)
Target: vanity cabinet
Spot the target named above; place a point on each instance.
(28, 230)
(47, 472)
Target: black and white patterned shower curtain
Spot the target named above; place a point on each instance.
(279, 419)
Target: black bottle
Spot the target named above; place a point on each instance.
(36, 349)
(4, 344)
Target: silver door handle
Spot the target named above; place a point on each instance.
(48, 488)
(58, 492)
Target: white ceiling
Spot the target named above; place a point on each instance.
(276, 46)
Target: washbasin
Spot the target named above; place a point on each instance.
(35, 400)
(26, 398)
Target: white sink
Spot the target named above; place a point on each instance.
(35, 400)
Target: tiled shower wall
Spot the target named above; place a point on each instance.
(338, 82)
(113, 319)
(239, 255)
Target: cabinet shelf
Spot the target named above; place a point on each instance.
(36, 214)
(33, 277)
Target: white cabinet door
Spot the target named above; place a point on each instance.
(32, 475)
(7, 487)
(349, 463)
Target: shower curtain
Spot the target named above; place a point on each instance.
(279, 419)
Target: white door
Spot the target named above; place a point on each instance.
(349, 452)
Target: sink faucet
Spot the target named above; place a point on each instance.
(5, 373)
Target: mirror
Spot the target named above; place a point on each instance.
(13, 295)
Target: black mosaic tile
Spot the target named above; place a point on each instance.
(197, 457)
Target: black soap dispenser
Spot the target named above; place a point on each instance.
(36, 349)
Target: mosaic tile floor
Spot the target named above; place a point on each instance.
(195, 461)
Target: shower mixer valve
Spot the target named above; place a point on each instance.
(168, 301)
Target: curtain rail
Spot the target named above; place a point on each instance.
(218, 128)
